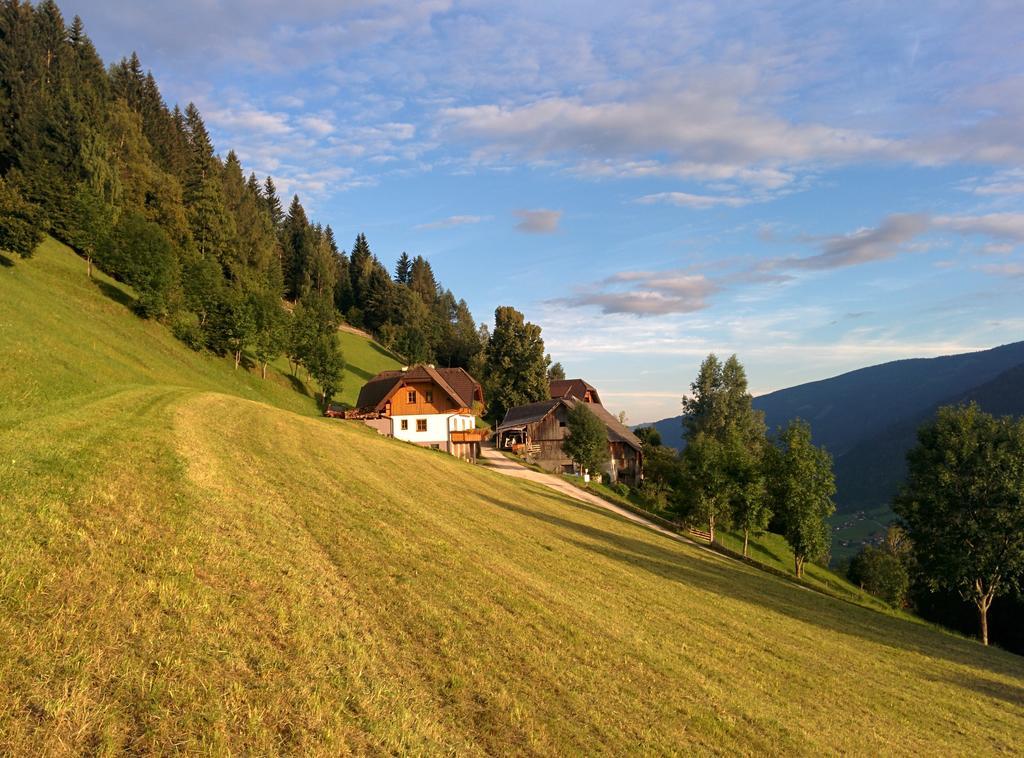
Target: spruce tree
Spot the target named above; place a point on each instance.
(273, 203)
(297, 248)
(20, 227)
(403, 269)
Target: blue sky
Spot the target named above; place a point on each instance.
(814, 186)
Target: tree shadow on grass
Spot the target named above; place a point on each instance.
(1008, 693)
(757, 548)
(298, 385)
(677, 563)
(360, 372)
(116, 294)
(5, 261)
(380, 350)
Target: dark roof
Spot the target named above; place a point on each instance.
(530, 414)
(575, 388)
(467, 388)
(459, 385)
(616, 431)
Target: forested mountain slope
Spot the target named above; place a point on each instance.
(191, 561)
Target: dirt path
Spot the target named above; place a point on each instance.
(499, 462)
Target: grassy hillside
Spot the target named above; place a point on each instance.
(66, 339)
(189, 564)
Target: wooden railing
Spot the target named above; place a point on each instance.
(699, 533)
(470, 435)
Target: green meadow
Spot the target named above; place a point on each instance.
(191, 560)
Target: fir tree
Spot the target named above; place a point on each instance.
(273, 203)
(403, 269)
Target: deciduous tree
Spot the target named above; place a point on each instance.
(800, 489)
(587, 443)
(963, 505)
(515, 372)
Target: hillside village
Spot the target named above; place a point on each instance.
(440, 408)
(263, 495)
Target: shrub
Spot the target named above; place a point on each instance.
(620, 489)
(882, 574)
(185, 326)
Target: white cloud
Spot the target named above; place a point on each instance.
(1008, 270)
(705, 132)
(1008, 226)
(687, 200)
(317, 124)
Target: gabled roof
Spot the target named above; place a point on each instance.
(574, 388)
(455, 382)
(616, 432)
(523, 415)
(528, 414)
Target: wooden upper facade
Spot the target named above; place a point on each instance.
(420, 391)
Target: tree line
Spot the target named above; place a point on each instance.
(960, 513)
(96, 158)
(732, 474)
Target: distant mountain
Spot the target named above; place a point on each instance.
(867, 419)
(869, 474)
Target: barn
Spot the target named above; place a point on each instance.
(540, 428)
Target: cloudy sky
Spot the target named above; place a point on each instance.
(814, 186)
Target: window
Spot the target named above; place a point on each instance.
(421, 425)
(412, 396)
(561, 424)
(435, 446)
(405, 425)
(430, 396)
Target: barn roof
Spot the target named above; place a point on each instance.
(528, 414)
(456, 382)
(524, 415)
(616, 432)
(575, 388)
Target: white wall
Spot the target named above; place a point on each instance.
(438, 425)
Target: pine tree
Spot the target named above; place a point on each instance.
(403, 269)
(20, 229)
(273, 203)
(360, 266)
(422, 281)
(297, 248)
(203, 195)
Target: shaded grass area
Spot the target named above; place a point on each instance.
(186, 570)
(766, 549)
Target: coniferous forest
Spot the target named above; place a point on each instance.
(95, 157)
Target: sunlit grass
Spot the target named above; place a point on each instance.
(183, 569)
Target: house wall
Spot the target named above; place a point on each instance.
(438, 425)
